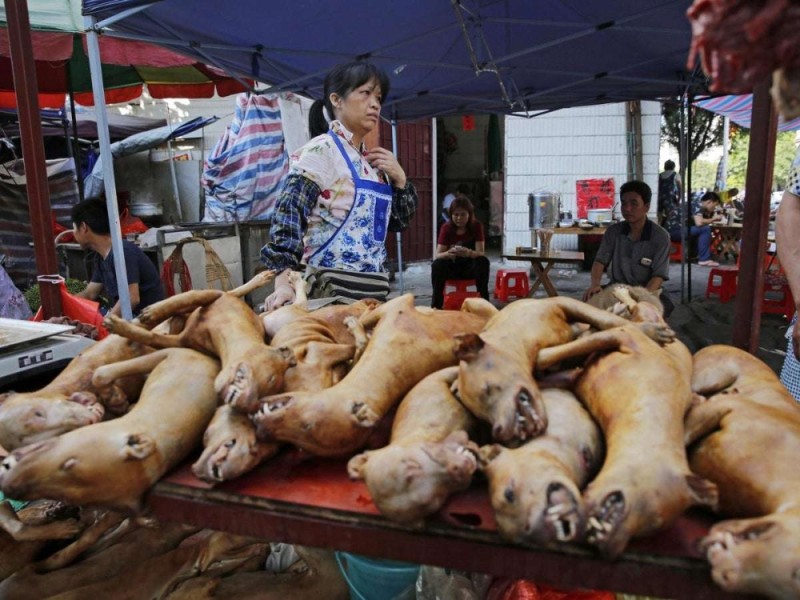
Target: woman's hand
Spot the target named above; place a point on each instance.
(381, 158)
(283, 294)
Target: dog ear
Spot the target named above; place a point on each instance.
(468, 346)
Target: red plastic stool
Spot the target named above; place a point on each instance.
(460, 292)
(777, 299)
(677, 252)
(511, 283)
(722, 281)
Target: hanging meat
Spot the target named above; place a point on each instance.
(740, 42)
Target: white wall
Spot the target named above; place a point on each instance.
(551, 152)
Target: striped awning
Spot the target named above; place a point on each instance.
(739, 109)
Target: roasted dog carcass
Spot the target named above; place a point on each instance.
(536, 488)
(746, 438)
(638, 392)
(407, 344)
(429, 456)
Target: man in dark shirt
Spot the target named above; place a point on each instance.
(636, 250)
(92, 231)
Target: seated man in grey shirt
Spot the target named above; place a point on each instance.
(636, 248)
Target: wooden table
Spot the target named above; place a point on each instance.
(729, 237)
(588, 241)
(542, 263)
(298, 499)
(579, 231)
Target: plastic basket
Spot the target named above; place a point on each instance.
(375, 579)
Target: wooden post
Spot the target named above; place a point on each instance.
(24, 70)
(760, 163)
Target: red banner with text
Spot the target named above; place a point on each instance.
(594, 193)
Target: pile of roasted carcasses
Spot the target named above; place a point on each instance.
(592, 427)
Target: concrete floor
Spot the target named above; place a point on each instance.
(698, 322)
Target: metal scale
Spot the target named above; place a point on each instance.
(29, 348)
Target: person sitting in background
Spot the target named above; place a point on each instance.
(637, 249)
(460, 252)
(92, 231)
(462, 191)
(703, 214)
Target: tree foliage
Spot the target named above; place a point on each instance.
(785, 149)
(706, 129)
(704, 174)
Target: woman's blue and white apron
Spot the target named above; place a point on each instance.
(353, 258)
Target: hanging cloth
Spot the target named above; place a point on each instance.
(245, 171)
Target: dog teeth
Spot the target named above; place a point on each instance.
(563, 530)
(275, 406)
(555, 509)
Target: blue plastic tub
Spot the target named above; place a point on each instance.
(374, 578)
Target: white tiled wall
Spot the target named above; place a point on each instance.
(551, 152)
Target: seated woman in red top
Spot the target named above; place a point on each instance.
(460, 252)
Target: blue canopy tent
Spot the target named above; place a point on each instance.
(443, 57)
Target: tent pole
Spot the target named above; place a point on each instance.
(24, 71)
(172, 172)
(684, 197)
(76, 148)
(109, 182)
(434, 188)
(726, 136)
(398, 234)
(689, 217)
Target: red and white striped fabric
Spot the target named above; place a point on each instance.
(244, 173)
(739, 109)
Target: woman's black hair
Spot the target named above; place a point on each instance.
(462, 203)
(342, 80)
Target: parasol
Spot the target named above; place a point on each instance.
(62, 67)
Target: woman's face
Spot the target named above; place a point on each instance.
(460, 217)
(360, 110)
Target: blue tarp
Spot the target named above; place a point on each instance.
(443, 57)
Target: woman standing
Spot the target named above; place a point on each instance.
(340, 199)
(460, 252)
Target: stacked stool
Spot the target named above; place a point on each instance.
(459, 291)
(722, 281)
(777, 296)
(676, 254)
(510, 283)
